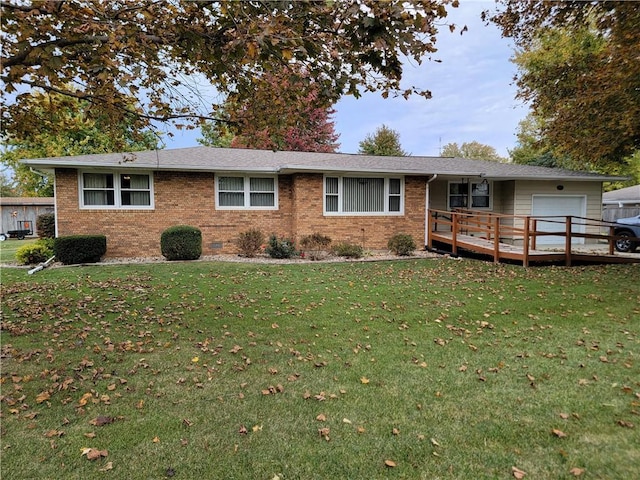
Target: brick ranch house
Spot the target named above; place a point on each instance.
(132, 197)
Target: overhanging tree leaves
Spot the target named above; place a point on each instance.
(579, 69)
(62, 127)
(104, 52)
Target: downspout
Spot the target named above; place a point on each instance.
(426, 210)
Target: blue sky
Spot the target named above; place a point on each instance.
(473, 95)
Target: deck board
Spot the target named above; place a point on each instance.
(516, 253)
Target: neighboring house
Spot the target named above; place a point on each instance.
(131, 198)
(622, 203)
(23, 209)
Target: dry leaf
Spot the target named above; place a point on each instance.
(346, 420)
(434, 442)
(395, 431)
(390, 463)
(564, 416)
(94, 453)
(364, 380)
(558, 433)
(156, 440)
(243, 430)
(43, 397)
(256, 428)
(53, 433)
(517, 473)
(101, 420)
(107, 467)
(576, 472)
(321, 418)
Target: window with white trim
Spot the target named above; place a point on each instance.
(363, 195)
(246, 192)
(459, 195)
(116, 190)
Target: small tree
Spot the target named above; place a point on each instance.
(385, 142)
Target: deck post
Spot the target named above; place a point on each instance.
(525, 243)
(496, 239)
(535, 231)
(567, 241)
(454, 233)
(610, 239)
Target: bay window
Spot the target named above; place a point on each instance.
(363, 195)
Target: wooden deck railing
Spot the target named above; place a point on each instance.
(498, 231)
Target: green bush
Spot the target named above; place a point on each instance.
(348, 250)
(280, 248)
(181, 242)
(74, 249)
(46, 225)
(315, 245)
(38, 252)
(250, 242)
(402, 244)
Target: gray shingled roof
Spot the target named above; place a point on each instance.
(208, 159)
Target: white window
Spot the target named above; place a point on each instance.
(246, 192)
(459, 195)
(363, 195)
(116, 190)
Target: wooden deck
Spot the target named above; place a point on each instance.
(515, 238)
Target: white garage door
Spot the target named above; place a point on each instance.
(558, 206)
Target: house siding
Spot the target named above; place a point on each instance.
(189, 199)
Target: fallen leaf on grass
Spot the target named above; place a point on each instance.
(94, 453)
(321, 418)
(517, 473)
(576, 472)
(364, 380)
(101, 420)
(626, 424)
(324, 433)
(558, 433)
(107, 467)
(43, 397)
(156, 440)
(54, 433)
(390, 463)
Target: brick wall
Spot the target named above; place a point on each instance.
(188, 199)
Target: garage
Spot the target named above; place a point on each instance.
(558, 206)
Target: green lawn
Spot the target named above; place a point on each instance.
(9, 247)
(440, 368)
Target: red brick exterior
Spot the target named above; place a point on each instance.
(189, 199)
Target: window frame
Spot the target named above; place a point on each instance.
(340, 195)
(469, 196)
(246, 183)
(117, 190)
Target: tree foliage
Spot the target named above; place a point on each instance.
(106, 52)
(385, 141)
(475, 150)
(579, 69)
(62, 127)
(284, 113)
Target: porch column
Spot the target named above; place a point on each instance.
(427, 223)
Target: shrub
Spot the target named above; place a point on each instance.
(181, 242)
(280, 248)
(402, 244)
(250, 242)
(316, 245)
(75, 249)
(348, 250)
(46, 225)
(33, 253)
